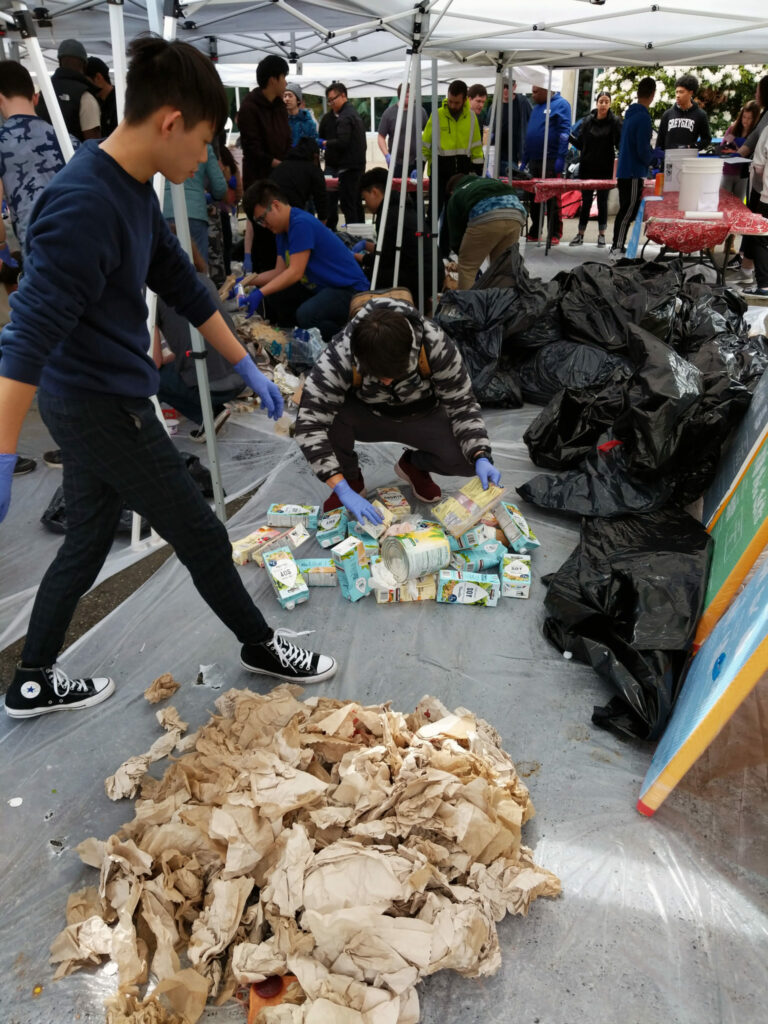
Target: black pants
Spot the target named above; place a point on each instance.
(548, 211)
(759, 251)
(117, 453)
(350, 200)
(437, 450)
(586, 206)
(750, 243)
(630, 197)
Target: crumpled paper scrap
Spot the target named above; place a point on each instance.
(355, 847)
(161, 688)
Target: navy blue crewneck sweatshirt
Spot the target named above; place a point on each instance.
(79, 320)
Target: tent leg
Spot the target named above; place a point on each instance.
(433, 184)
(390, 174)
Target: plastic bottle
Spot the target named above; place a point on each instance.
(658, 187)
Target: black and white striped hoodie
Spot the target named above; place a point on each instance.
(333, 378)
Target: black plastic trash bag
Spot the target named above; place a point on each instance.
(706, 313)
(475, 321)
(54, 518)
(568, 364)
(627, 602)
(569, 426)
(598, 301)
(601, 486)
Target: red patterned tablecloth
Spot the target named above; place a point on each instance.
(547, 188)
(666, 226)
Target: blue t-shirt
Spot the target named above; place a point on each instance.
(30, 155)
(331, 264)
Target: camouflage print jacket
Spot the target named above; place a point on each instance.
(332, 379)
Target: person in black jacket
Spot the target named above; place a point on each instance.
(347, 151)
(326, 131)
(300, 179)
(372, 187)
(97, 73)
(77, 97)
(598, 138)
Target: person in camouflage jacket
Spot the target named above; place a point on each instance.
(392, 375)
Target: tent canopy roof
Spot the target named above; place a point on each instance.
(560, 33)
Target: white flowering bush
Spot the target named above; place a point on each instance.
(723, 90)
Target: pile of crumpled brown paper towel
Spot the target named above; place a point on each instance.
(357, 848)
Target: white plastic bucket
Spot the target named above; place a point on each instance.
(673, 160)
(700, 184)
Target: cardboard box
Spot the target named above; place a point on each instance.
(289, 585)
(455, 587)
(394, 499)
(516, 576)
(355, 529)
(422, 589)
(375, 530)
(484, 556)
(247, 549)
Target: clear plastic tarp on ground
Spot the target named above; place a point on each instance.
(660, 920)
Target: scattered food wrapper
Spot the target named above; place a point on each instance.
(161, 689)
(355, 848)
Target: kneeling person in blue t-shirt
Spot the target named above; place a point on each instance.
(315, 275)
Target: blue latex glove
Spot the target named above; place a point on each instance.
(233, 289)
(413, 175)
(268, 392)
(359, 246)
(208, 198)
(388, 158)
(232, 181)
(251, 302)
(321, 143)
(5, 256)
(248, 263)
(559, 165)
(487, 472)
(7, 466)
(359, 506)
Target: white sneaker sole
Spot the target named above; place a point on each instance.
(89, 702)
(301, 680)
(404, 476)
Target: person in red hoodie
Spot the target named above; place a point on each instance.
(265, 138)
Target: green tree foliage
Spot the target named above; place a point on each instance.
(723, 90)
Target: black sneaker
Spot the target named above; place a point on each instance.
(279, 657)
(54, 459)
(23, 466)
(38, 691)
(198, 434)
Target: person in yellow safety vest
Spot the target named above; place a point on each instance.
(460, 143)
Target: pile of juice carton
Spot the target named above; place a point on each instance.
(487, 550)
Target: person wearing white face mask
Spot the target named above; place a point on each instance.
(597, 137)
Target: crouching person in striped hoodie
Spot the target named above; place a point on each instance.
(392, 375)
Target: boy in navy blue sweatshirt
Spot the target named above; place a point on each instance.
(79, 333)
(635, 156)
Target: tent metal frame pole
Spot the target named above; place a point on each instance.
(26, 25)
(390, 177)
(416, 100)
(510, 123)
(117, 35)
(404, 173)
(499, 100)
(487, 146)
(433, 184)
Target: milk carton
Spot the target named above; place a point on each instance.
(291, 515)
(289, 585)
(352, 568)
(375, 530)
(332, 528)
(455, 587)
(516, 576)
(484, 556)
(371, 545)
(247, 549)
(318, 572)
(517, 531)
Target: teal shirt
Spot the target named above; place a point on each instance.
(207, 177)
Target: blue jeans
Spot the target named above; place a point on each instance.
(116, 453)
(327, 309)
(175, 392)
